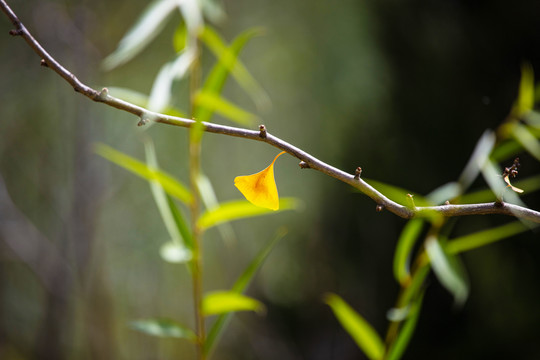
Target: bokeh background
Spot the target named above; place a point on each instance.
(402, 89)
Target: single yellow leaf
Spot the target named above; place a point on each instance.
(260, 188)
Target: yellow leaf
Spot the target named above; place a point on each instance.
(260, 188)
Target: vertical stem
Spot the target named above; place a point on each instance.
(194, 169)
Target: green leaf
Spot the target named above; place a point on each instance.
(415, 286)
(240, 286)
(147, 27)
(445, 192)
(448, 270)
(397, 349)
(172, 186)
(140, 99)
(229, 63)
(163, 328)
(359, 329)
(529, 185)
(180, 38)
(485, 237)
(209, 199)
(404, 246)
(220, 302)
(240, 209)
(160, 94)
(524, 136)
(479, 156)
(398, 194)
(213, 102)
(505, 150)
(525, 100)
(174, 251)
(181, 223)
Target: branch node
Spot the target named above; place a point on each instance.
(499, 203)
(304, 165)
(143, 121)
(103, 94)
(358, 173)
(379, 208)
(411, 201)
(15, 32)
(262, 132)
(43, 63)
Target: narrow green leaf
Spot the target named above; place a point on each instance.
(220, 302)
(215, 103)
(525, 100)
(397, 349)
(243, 281)
(239, 287)
(218, 75)
(507, 149)
(358, 328)
(239, 209)
(228, 58)
(480, 155)
(445, 192)
(140, 99)
(172, 186)
(404, 246)
(176, 69)
(181, 223)
(485, 237)
(147, 27)
(163, 328)
(210, 201)
(180, 38)
(176, 250)
(398, 194)
(529, 185)
(448, 270)
(524, 136)
(415, 286)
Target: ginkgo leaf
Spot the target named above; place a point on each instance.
(260, 188)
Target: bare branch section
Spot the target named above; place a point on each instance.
(307, 160)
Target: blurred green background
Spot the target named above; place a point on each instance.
(402, 89)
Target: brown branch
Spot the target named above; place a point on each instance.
(307, 160)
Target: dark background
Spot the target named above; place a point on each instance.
(402, 89)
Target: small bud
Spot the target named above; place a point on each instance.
(15, 32)
(262, 132)
(379, 208)
(103, 94)
(358, 173)
(43, 63)
(142, 122)
(447, 202)
(304, 165)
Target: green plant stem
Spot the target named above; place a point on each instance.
(194, 171)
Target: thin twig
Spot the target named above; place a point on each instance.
(308, 160)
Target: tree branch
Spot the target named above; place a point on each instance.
(307, 160)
